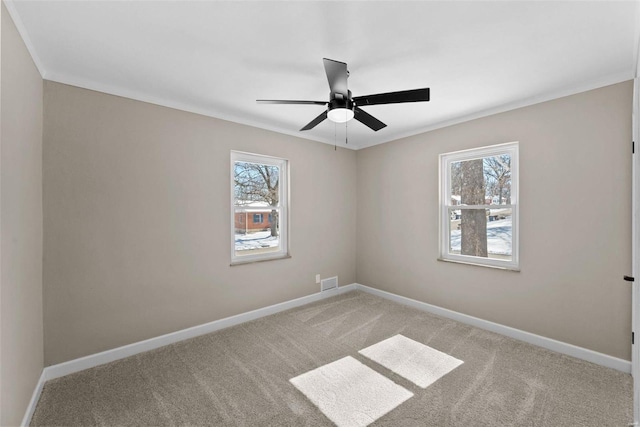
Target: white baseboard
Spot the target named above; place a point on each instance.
(34, 400)
(80, 364)
(540, 341)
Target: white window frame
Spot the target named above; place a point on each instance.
(283, 206)
(446, 160)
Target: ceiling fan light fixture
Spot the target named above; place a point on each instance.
(340, 115)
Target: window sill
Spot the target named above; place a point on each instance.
(497, 267)
(253, 261)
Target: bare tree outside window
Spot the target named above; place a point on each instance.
(477, 182)
(497, 171)
(258, 183)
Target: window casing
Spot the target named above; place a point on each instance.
(479, 206)
(259, 190)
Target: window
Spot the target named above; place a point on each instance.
(479, 206)
(259, 187)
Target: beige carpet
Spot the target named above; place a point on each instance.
(240, 376)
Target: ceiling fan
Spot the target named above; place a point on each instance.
(342, 107)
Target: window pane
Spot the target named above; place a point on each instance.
(483, 181)
(256, 185)
(483, 233)
(255, 234)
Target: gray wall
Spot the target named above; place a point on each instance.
(21, 350)
(136, 220)
(575, 218)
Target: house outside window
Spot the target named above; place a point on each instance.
(479, 206)
(259, 190)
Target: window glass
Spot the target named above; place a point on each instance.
(479, 209)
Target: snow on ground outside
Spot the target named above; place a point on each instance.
(261, 239)
(498, 237)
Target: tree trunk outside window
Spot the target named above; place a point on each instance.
(473, 222)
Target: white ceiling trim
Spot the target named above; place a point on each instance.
(538, 99)
(142, 97)
(133, 95)
(15, 16)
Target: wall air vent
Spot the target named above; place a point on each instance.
(330, 283)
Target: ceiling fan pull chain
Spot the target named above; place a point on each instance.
(346, 133)
(335, 136)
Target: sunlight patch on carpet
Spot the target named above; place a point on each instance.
(420, 364)
(350, 393)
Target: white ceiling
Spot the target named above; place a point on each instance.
(217, 58)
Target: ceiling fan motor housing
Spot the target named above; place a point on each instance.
(340, 109)
(339, 100)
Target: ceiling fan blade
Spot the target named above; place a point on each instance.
(285, 101)
(367, 119)
(315, 122)
(336, 75)
(414, 95)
